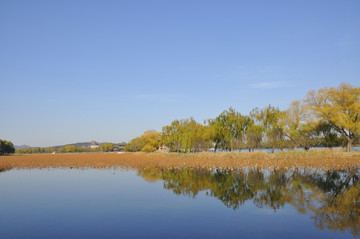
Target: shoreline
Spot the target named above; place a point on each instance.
(321, 159)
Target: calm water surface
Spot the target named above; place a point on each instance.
(61, 203)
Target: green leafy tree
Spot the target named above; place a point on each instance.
(216, 132)
(202, 141)
(186, 135)
(254, 132)
(107, 147)
(269, 118)
(295, 122)
(134, 145)
(326, 135)
(71, 149)
(6, 147)
(171, 136)
(228, 129)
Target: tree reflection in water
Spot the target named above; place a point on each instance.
(332, 198)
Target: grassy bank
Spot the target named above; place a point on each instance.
(324, 159)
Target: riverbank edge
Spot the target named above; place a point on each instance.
(321, 159)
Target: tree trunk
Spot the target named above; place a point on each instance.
(349, 144)
(349, 137)
(273, 149)
(295, 148)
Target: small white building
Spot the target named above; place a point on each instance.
(94, 145)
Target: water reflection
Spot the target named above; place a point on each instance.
(2, 170)
(332, 199)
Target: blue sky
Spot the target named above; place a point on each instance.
(74, 71)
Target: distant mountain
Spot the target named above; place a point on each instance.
(22, 146)
(81, 144)
(88, 144)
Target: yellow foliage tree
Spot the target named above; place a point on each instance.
(148, 142)
(151, 141)
(340, 107)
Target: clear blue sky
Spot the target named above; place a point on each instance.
(73, 71)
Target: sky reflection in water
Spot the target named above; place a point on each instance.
(59, 203)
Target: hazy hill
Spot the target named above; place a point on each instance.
(87, 144)
(21, 146)
(80, 144)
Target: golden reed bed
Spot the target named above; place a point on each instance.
(322, 159)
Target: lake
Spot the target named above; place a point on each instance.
(152, 203)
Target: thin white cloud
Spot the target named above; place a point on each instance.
(269, 85)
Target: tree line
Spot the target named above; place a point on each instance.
(327, 117)
(105, 147)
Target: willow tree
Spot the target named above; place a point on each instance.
(171, 136)
(194, 137)
(185, 135)
(228, 129)
(254, 132)
(215, 127)
(294, 123)
(270, 117)
(340, 107)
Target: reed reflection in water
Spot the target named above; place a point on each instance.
(331, 198)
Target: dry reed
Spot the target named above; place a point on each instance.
(322, 159)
